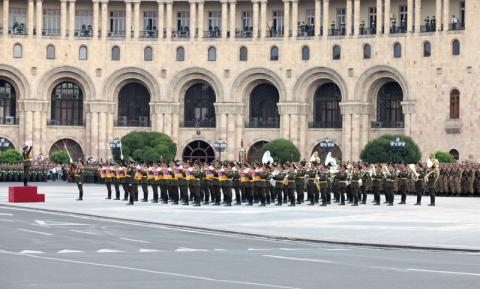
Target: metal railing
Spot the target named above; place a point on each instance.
(325, 124)
(256, 122)
(274, 33)
(456, 26)
(398, 29)
(9, 120)
(132, 123)
(181, 33)
(215, 33)
(367, 30)
(51, 32)
(391, 124)
(65, 122)
(149, 33)
(245, 33)
(207, 123)
(116, 34)
(18, 29)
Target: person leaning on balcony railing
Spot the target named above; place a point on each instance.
(454, 22)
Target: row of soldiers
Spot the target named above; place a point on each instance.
(290, 182)
(15, 173)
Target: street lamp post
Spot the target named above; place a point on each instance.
(327, 144)
(397, 145)
(220, 146)
(117, 144)
(4, 144)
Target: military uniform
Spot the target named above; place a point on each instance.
(402, 186)
(342, 186)
(225, 182)
(355, 187)
(78, 179)
(152, 175)
(278, 178)
(420, 187)
(300, 185)
(389, 193)
(235, 175)
(312, 189)
(289, 188)
(376, 186)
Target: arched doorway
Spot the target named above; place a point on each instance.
(5, 144)
(134, 105)
(74, 149)
(263, 107)
(455, 154)
(198, 150)
(327, 106)
(198, 108)
(389, 107)
(255, 151)
(322, 152)
(8, 103)
(67, 104)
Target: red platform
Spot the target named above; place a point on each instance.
(26, 194)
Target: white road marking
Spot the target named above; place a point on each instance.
(31, 252)
(220, 250)
(133, 240)
(254, 249)
(5, 220)
(150, 251)
(444, 272)
(247, 284)
(53, 223)
(182, 249)
(338, 249)
(297, 259)
(66, 251)
(6, 214)
(84, 232)
(109, 251)
(294, 249)
(36, 232)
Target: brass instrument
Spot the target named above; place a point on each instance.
(413, 172)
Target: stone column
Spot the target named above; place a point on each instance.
(446, 15)
(63, 18)
(193, 19)
(224, 18)
(175, 125)
(109, 133)
(379, 17)
(161, 18)
(201, 21)
(37, 119)
(326, 19)
(386, 22)
(303, 123)
(136, 19)
(239, 127)
(104, 19)
(348, 18)
(286, 18)
(410, 16)
(28, 125)
(408, 109)
(39, 14)
(71, 19)
(30, 14)
(365, 128)
(418, 15)
(255, 18)
(43, 134)
(102, 135)
(222, 127)
(356, 17)
(167, 128)
(5, 17)
(169, 18)
(232, 146)
(438, 15)
(263, 18)
(346, 136)
(355, 137)
(233, 19)
(94, 135)
(294, 18)
(318, 11)
(95, 19)
(128, 19)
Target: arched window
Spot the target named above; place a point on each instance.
(50, 51)
(263, 107)
(305, 53)
(115, 53)
(8, 102)
(212, 54)
(427, 49)
(83, 53)
(367, 51)
(327, 106)
(148, 54)
(17, 50)
(243, 53)
(455, 47)
(274, 53)
(180, 55)
(336, 52)
(455, 104)
(67, 104)
(397, 50)
(389, 107)
(134, 106)
(198, 109)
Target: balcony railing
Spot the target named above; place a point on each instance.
(325, 124)
(333, 31)
(213, 33)
(181, 33)
(245, 33)
(456, 26)
(206, 123)
(306, 31)
(17, 29)
(116, 34)
(144, 122)
(256, 122)
(85, 32)
(367, 30)
(398, 29)
(383, 124)
(149, 33)
(65, 122)
(9, 120)
(274, 33)
(427, 28)
(51, 32)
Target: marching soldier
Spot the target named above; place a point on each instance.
(300, 182)
(78, 179)
(290, 185)
(420, 186)
(196, 185)
(342, 185)
(132, 177)
(279, 178)
(355, 186)
(312, 188)
(152, 180)
(235, 175)
(402, 185)
(183, 184)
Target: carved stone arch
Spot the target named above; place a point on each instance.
(11, 143)
(186, 78)
(60, 74)
(17, 79)
(124, 76)
(247, 80)
(254, 150)
(56, 144)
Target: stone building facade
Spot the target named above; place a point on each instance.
(72, 74)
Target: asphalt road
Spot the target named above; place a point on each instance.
(47, 250)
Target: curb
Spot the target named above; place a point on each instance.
(252, 235)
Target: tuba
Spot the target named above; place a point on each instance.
(314, 159)
(267, 159)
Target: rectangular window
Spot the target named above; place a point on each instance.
(372, 17)
(462, 14)
(150, 20)
(214, 20)
(51, 21)
(84, 23)
(340, 18)
(277, 25)
(310, 17)
(403, 16)
(247, 20)
(17, 17)
(183, 20)
(117, 23)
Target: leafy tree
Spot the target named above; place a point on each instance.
(379, 150)
(10, 156)
(60, 157)
(444, 157)
(282, 150)
(148, 146)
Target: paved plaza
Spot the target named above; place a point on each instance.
(454, 223)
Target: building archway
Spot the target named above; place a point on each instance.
(389, 105)
(198, 150)
(199, 110)
(134, 105)
(455, 154)
(263, 107)
(326, 108)
(73, 147)
(67, 104)
(8, 103)
(255, 151)
(6, 144)
(322, 152)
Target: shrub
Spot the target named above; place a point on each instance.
(379, 150)
(148, 146)
(60, 157)
(444, 157)
(10, 156)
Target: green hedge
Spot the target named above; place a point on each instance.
(11, 156)
(444, 157)
(379, 150)
(282, 150)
